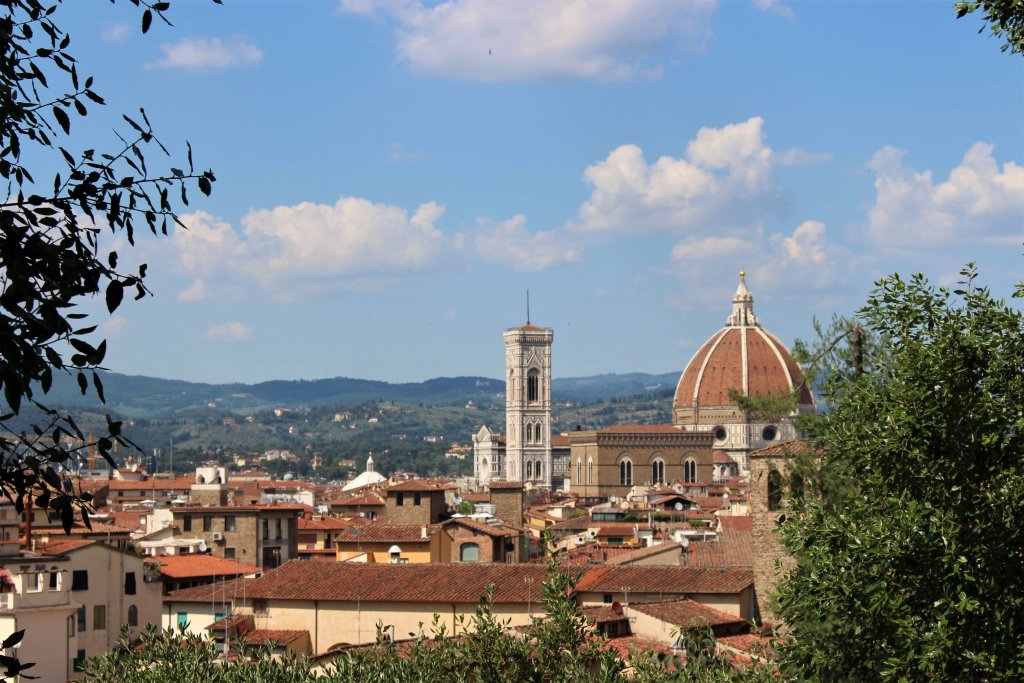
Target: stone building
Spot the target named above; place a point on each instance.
(414, 502)
(745, 358)
(609, 462)
(264, 535)
(771, 483)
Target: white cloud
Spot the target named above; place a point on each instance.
(979, 202)
(510, 243)
(290, 250)
(798, 157)
(195, 292)
(198, 54)
(724, 183)
(450, 314)
(114, 327)
(484, 40)
(229, 332)
(775, 7)
(116, 33)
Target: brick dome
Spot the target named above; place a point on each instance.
(740, 356)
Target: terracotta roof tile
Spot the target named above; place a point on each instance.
(617, 429)
(431, 583)
(602, 614)
(784, 449)
(670, 549)
(736, 522)
(730, 549)
(665, 580)
(218, 591)
(264, 636)
(325, 524)
(482, 527)
(196, 566)
(501, 485)
(417, 485)
(686, 613)
(387, 533)
(61, 546)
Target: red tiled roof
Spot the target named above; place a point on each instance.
(625, 646)
(476, 497)
(196, 566)
(666, 580)
(686, 613)
(500, 485)
(368, 500)
(178, 484)
(559, 441)
(271, 507)
(482, 527)
(64, 545)
(264, 636)
(616, 429)
(722, 458)
(673, 549)
(416, 485)
(325, 524)
(218, 591)
(387, 533)
(730, 549)
(602, 614)
(736, 522)
(431, 583)
(785, 449)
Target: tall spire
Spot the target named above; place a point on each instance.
(527, 307)
(742, 306)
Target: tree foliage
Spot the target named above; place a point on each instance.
(52, 257)
(1005, 18)
(906, 550)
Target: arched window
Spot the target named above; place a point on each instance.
(537, 434)
(590, 470)
(579, 471)
(469, 552)
(769, 433)
(529, 469)
(689, 470)
(658, 471)
(539, 469)
(532, 385)
(774, 491)
(626, 472)
(133, 616)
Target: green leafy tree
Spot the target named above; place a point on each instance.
(51, 256)
(912, 526)
(1004, 17)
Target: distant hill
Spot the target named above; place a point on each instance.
(139, 396)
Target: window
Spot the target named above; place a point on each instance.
(400, 499)
(579, 471)
(99, 617)
(79, 661)
(129, 583)
(229, 523)
(54, 581)
(207, 523)
(590, 470)
(229, 553)
(186, 523)
(532, 385)
(81, 618)
(690, 471)
(266, 529)
(133, 615)
(529, 469)
(469, 552)
(417, 498)
(658, 471)
(720, 433)
(277, 529)
(539, 469)
(182, 619)
(32, 582)
(769, 433)
(774, 491)
(259, 606)
(626, 472)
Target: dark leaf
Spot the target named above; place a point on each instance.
(115, 292)
(62, 119)
(147, 19)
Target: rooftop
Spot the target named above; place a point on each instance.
(196, 566)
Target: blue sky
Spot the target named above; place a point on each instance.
(394, 175)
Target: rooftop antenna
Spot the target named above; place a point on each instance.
(527, 307)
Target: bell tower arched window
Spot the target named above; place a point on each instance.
(690, 471)
(532, 385)
(579, 471)
(529, 469)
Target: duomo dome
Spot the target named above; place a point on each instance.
(747, 358)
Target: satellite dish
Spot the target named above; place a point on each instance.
(617, 607)
(202, 546)
(458, 499)
(678, 506)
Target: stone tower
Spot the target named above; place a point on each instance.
(528, 404)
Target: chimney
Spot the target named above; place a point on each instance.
(423, 531)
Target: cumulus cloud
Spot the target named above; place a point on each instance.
(483, 40)
(194, 292)
(775, 7)
(724, 183)
(200, 54)
(116, 33)
(230, 332)
(308, 247)
(114, 327)
(510, 243)
(979, 202)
